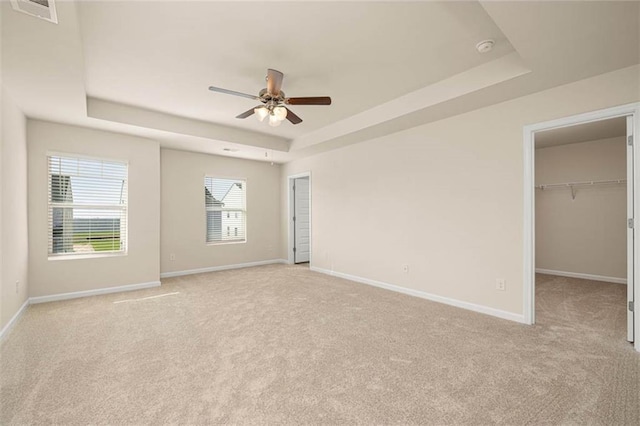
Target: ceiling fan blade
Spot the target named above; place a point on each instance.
(274, 81)
(294, 119)
(233, 92)
(314, 100)
(247, 113)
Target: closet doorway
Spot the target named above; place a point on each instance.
(300, 218)
(580, 200)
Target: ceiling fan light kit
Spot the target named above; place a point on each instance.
(261, 112)
(273, 121)
(280, 112)
(274, 101)
(276, 114)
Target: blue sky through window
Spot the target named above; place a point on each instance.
(220, 189)
(93, 183)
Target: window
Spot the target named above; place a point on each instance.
(87, 206)
(222, 198)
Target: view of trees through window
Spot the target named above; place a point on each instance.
(87, 205)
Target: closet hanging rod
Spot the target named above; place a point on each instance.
(586, 183)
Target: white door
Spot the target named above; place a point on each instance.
(301, 229)
(630, 225)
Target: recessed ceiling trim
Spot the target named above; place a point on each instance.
(127, 114)
(505, 68)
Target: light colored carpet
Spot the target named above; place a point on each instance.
(283, 345)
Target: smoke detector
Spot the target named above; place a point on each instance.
(43, 9)
(485, 46)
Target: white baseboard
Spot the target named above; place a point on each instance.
(74, 295)
(582, 276)
(220, 268)
(7, 328)
(433, 297)
(107, 290)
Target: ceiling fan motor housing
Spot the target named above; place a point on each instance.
(267, 97)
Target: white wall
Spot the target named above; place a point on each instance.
(183, 230)
(142, 263)
(14, 229)
(455, 187)
(587, 235)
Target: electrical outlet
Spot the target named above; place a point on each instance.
(405, 268)
(501, 284)
(172, 256)
(17, 287)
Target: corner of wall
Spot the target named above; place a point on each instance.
(14, 251)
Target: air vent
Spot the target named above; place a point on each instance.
(43, 9)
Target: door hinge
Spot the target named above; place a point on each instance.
(630, 223)
(631, 305)
(630, 140)
(294, 218)
(294, 249)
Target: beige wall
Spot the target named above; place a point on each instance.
(445, 198)
(141, 264)
(3, 322)
(183, 216)
(587, 235)
(14, 230)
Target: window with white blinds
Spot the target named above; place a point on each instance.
(87, 206)
(225, 208)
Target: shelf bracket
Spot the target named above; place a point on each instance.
(573, 192)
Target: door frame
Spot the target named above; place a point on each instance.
(529, 201)
(290, 213)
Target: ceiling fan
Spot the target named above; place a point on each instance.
(274, 101)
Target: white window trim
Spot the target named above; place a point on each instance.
(50, 206)
(222, 209)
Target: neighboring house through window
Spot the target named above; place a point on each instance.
(225, 208)
(87, 207)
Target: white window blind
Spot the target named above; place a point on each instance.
(225, 205)
(87, 206)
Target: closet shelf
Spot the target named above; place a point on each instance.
(573, 185)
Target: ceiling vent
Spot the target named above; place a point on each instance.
(43, 9)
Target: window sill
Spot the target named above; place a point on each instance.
(223, 243)
(84, 256)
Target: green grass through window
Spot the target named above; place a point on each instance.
(101, 241)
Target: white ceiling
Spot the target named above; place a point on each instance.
(143, 67)
(165, 55)
(596, 130)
